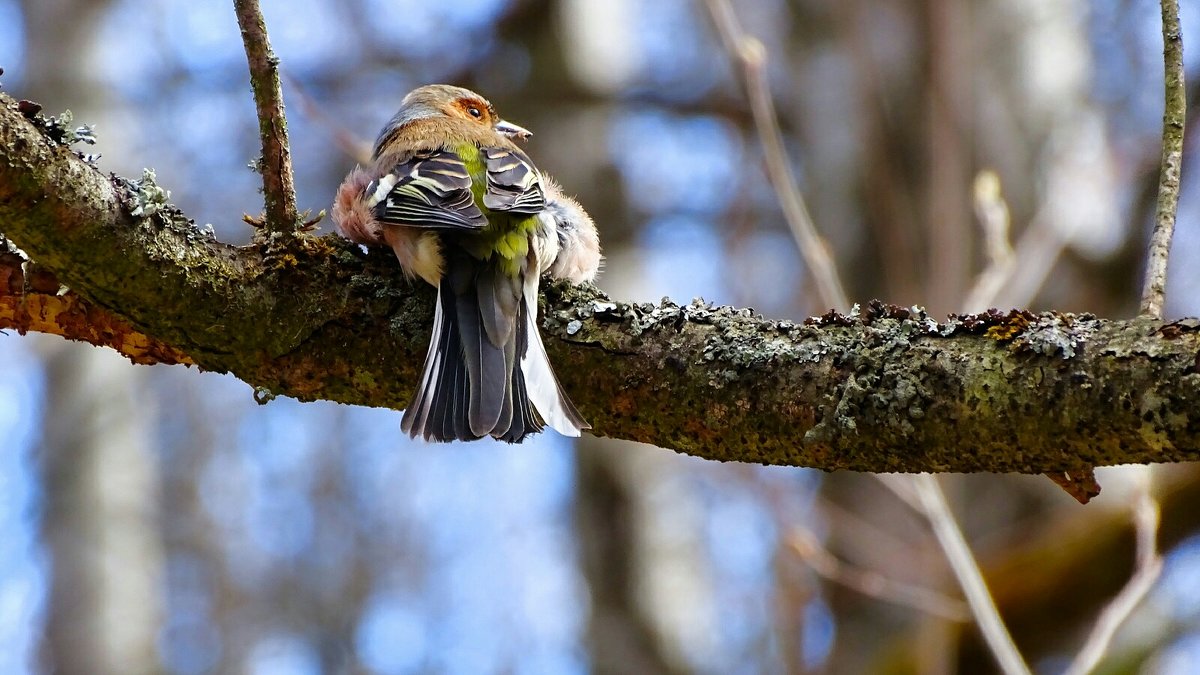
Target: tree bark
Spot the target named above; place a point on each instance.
(886, 390)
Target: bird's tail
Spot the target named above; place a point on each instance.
(539, 379)
(486, 369)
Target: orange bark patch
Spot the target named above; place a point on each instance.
(34, 303)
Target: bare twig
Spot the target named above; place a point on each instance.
(873, 584)
(350, 144)
(902, 487)
(748, 52)
(1149, 568)
(279, 190)
(992, 212)
(924, 494)
(1174, 116)
(958, 554)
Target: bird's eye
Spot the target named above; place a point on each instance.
(475, 112)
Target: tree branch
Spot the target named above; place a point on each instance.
(962, 561)
(1174, 119)
(891, 390)
(279, 192)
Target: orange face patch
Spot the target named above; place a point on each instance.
(477, 109)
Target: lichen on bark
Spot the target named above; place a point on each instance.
(884, 389)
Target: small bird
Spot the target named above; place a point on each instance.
(464, 209)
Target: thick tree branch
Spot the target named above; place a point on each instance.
(276, 164)
(889, 391)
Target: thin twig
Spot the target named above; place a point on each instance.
(993, 215)
(750, 54)
(279, 190)
(357, 149)
(1174, 117)
(902, 486)
(924, 494)
(874, 584)
(962, 562)
(1149, 568)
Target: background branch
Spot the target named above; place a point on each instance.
(1146, 516)
(950, 537)
(748, 53)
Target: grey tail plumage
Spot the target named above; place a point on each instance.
(486, 369)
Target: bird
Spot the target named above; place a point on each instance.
(465, 210)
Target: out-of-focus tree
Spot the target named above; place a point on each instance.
(98, 470)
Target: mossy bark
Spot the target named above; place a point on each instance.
(888, 390)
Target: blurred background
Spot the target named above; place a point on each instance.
(157, 520)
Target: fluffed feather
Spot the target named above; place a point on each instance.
(577, 257)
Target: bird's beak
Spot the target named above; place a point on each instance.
(513, 131)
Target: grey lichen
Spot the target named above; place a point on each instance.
(58, 128)
(149, 198)
(1057, 335)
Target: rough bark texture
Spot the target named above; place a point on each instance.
(889, 390)
(32, 299)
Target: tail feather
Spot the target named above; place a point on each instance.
(438, 410)
(454, 417)
(484, 362)
(525, 420)
(418, 412)
(486, 368)
(505, 420)
(473, 386)
(544, 390)
(450, 393)
(498, 298)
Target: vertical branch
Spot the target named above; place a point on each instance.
(279, 191)
(749, 53)
(924, 494)
(933, 504)
(1174, 115)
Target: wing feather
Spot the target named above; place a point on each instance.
(431, 190)
(513, 183)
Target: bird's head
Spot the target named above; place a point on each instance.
(458, 103)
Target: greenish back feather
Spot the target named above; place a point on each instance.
(506, 236)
